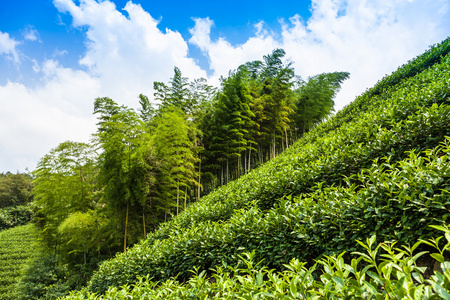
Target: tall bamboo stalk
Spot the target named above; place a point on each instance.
(126, 227)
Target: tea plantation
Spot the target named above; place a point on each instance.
(356, 209)
(320, 221)
(17, 248)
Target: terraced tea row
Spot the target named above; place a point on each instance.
(17, 247)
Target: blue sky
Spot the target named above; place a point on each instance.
(57, 56)
(234, 20)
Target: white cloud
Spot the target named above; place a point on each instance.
(34, 120)
(8, 46)
(128, 54)
(31, 34)
(58, 52)
(366, 38)
(200, 33)
(222, 55)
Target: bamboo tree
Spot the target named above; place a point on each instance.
(174, 148)
(124, 166)
(314, 99)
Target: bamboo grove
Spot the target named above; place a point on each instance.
(144, 166)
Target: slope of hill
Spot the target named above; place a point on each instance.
(363, 172)
(16, 249)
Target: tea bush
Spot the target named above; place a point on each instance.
(383, 271)
(12, 216)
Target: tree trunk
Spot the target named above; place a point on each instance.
(249, 159)
(238, 167)
(273, 146)
(221, 175)
(199, 178)
(85, 253)
(143, 223)
(185, 195)
(228, 174)
(259, 154)
(285, 133)
(244, 162)
(126, 227)
(178, 194)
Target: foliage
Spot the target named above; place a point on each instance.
(378, 162)
(174, 150)
(45, 276)
(318, 157)
(18, 246)
(124, 166)
(378, 271)
(15, 189)
(414, 114)
(15, 215)
(227, 128)
(64, 181)
(315, 99)
(174, 95)
(261, 109)
(323, 222)
(72, 226)
(42, 273)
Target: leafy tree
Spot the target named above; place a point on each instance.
(314, 99)
(78, 231)
(273, 64)
(12, 216)
(270, 81)
(15, 199)
(147, 111)
(15, 189)
(174, 149)
(201, 95)
(64, 183)
(176, 94)
(124, 165)
(228, 129)
(193, 99)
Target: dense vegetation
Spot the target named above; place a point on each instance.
(17, 248)
(15, 199)
(143, 167)
(279, 192)
(375, 168)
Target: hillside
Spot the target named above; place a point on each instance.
(17, 248)
(379, 167)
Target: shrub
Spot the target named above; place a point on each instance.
(12, 216)
(383, 271)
